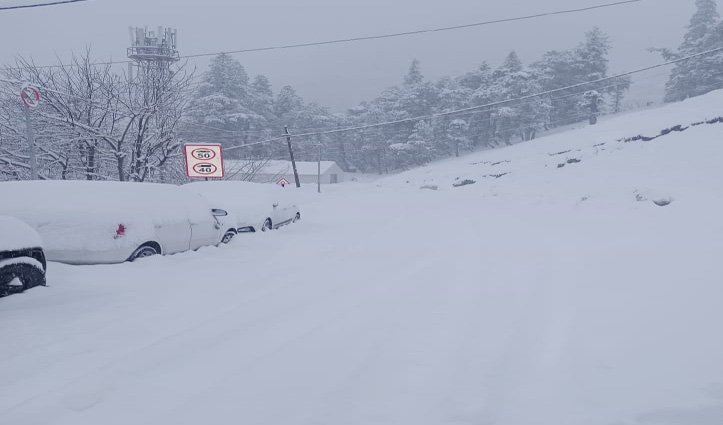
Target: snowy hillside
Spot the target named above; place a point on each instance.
(599, 161)
(552, 291)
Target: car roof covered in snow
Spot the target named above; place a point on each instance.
(37, 202)
(16, 235)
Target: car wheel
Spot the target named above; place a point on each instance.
(268, 225)
(144, 251)
(27, 276)
(228, 237)
(297, 217)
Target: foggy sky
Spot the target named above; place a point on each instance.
(340, 76)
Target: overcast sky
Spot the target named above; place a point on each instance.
(342, 75)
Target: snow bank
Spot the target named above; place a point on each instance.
(16, 235)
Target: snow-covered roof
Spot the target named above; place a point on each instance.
(276, 167)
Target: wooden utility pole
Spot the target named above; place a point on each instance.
(318, 171)
(291, 154)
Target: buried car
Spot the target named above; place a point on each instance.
(255, 206)
(90, 222)
(22, 260)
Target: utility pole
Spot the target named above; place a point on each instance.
(318, 171)
(31, 141)
(291, 154)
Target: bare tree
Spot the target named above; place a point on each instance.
(96, 124)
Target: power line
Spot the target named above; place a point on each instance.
(473, 109)
(418, 32)
(29, 6)
(367, 38)
(492, 104)
(504, 102)
(304, 130)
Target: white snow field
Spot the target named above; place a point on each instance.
(548, 296)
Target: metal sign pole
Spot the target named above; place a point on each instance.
(31, 141)
(30, 97)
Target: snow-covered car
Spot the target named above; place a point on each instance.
(83, 222)
(255, 206)
(22, 260)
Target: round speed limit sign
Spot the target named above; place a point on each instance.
(203, 154)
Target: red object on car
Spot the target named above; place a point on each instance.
(120, 231)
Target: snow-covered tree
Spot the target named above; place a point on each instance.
(700, 75)
(591, 102)
(223, 107)
(457, 132)
(414, 75)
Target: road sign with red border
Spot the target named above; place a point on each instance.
(283, 182)
(30, 96)
(204, 161)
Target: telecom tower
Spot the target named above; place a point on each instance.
(152, 51)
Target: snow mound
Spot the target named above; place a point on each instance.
(16, 235)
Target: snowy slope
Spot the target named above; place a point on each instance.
(547, 296)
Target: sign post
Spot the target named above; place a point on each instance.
(204, 161)
(31, 98)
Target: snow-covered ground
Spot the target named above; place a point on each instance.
(546, 296)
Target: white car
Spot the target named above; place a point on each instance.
(22, 260)
(255, 206)
(83, 222)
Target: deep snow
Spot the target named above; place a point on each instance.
(17, 235)
(546, 296)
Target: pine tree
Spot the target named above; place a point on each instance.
(699, 75)
(592, 55)
(701, 24)
(262, 97)
(225, 76)
(414, 76)
(287, 102)
(523, 118)
(222, 104)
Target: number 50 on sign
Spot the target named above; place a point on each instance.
(204, 161)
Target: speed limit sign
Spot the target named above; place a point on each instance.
(204, 161)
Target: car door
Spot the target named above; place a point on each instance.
(174, 237)
(285, 209)
(205, 232)
(280, 211)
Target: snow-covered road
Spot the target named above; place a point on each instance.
(509, 302)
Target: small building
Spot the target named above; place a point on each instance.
(272, 171)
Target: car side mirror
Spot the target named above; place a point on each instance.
(219, 213)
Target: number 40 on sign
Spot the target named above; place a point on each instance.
(204, 161)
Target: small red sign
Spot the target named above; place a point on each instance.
(30, 96)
